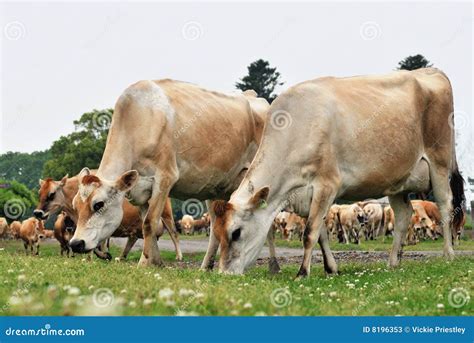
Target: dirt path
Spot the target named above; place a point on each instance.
(291, 255)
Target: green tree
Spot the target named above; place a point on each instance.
(262, 79)
(82, 148)
(414, 62)
(23, 167)
(16, 200)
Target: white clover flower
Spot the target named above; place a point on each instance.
(132, 304)
(440, 306)
(247, 305)
(21, 277)
(73, 291)
(332, 294)
(148, 301)
(166, 293)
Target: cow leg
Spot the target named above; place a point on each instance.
(443, 197)
(156, 204)
(210, 257)
(273, 266)
(170, 226)
(37, 248)
(131, 240)
(323, 197)
(26, 248)
(402, 208)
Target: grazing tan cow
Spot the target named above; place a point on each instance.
(64, 228)
(432, 211)
(401, 123)
(374, 216)
(31, 232)
(48, 233)
(15, 229)
(183, 141)
(56, 196)
(425, 227)
(4, 228)
(352, 220)
(388, 222)
(187, 224)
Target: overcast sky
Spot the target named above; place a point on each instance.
(60, 60)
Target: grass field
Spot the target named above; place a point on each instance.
(52, 285)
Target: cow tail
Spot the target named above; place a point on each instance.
(456, 184)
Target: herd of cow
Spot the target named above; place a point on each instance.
(353, 138)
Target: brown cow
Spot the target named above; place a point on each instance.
(4, 228)
(63, 231)
(374, 216)
(331, 222)
(203, 224)
(424, 224)
(55, 196)
(31, 232)
(15, 229)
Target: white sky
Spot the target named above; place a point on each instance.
(68, 58)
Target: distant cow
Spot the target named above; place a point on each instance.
(352, 219)
(294, 225)
(374, 215)
(432, 211)
(63, 231)
(203, 224)
(331, 221)
(280, 221)
(31, 232)
(187, 224)
(4, 228)
(425, 226)
(15, 229)
(388, 222)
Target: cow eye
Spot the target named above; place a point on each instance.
(236, 234)
(51, 196)
(98, 206)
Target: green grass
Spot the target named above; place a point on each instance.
(54, 285)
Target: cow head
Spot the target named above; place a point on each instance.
(98, 204)
(187, 224)
(51, 197)
(241, 229)
(360, 214)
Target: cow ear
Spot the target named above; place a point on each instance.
(63, 180)
(259, 199)
(127, 181)
(85, 171)
(219, 207)
(41, 182)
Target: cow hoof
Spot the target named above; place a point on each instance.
(302, 273)
(146, 262)
(108, 256)
(273, 266)
(449, 255)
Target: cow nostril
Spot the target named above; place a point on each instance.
(38, 214)
(77, 246)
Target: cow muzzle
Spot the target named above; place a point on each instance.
(78, 246)
(40, 214)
